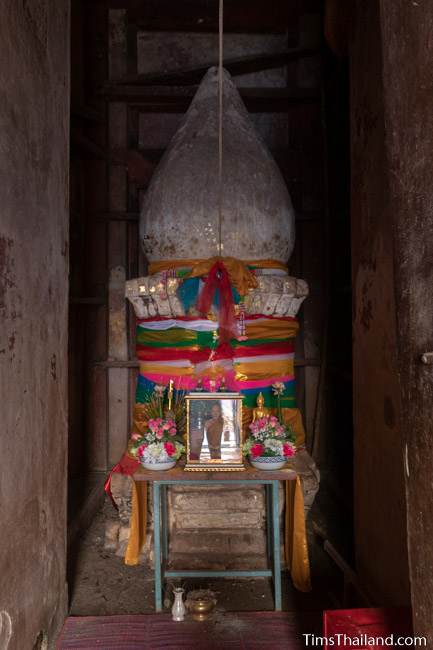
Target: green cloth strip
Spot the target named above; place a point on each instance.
(203, 339)
(250, 399)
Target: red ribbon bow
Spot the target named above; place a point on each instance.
(218, 278)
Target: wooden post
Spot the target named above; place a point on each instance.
(95, 244)
(118, 380)
(407, 48)
(379, 412)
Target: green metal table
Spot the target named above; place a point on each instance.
(163, 480)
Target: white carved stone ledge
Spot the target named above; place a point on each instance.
(156, 295)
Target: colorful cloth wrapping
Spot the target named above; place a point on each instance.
(186, 350)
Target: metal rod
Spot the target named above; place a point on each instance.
(220, 124)
(218, 574)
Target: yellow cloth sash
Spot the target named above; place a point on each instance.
(272, 328)
(240, 275)
(147, 367)
(251, 371)
(245, 371)
(172, 336)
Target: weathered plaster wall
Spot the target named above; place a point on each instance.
(34, 106)
(380, 506)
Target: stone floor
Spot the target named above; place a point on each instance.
(101, 584)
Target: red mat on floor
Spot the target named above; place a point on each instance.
(246, 631)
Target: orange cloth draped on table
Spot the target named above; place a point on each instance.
(295, 536)
(138, 522)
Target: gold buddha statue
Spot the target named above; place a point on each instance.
(260, 411)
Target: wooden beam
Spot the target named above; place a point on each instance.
(83, 143)
(135, 363)
(159, 99)
(87, 114)
(113, 4)
(116, 216)
(96, 151)
(236, 66)
(240, 16)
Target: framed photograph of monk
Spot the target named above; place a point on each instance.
(214, 431)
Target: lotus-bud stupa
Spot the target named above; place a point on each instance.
(180, 213)
(217, 311)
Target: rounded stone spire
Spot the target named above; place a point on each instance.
(179, 217)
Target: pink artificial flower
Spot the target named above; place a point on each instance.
(151, 423)
(141, 448)
(135, 436)
(172, 431)
(166, 426)
(171, 424)
(288, 450)
(257, 450)
(170, 448)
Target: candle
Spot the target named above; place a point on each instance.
(170, 393)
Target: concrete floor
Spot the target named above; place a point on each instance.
(101, 584)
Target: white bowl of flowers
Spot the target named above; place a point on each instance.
(270, 444)
(158, 448)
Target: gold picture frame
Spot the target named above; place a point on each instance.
(214, 432)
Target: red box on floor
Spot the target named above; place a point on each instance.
(346, 625)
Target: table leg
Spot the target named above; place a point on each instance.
(276, 548)
(157, 545)
(269, 514)
(164, 523)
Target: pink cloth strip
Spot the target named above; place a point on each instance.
(189, 383)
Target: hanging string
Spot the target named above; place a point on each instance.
(220, 123)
